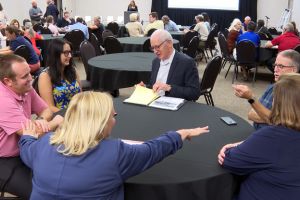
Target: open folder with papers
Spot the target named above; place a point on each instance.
(147, 97)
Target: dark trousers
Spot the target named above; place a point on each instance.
(15, 177)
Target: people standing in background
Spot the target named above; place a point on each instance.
(3, 16)
(206, 20)
(65, 21)
(154, 23)
(132, 6)
(51, 10)
(234, 32)
(169, 24)
(60, 81)
(134, 27)
(35, 13)
(247, 20)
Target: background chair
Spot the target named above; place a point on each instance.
(187, 39)
(38, 28)
(23, 51)
(98, 33)
(123, 32)
(210, 43)
(94, 41)
(209, 78)
(87, 52)
(75, 37)
(113, 27)
(147, 46)
(112, 45)
(246, 53)
(191, 49)
(106, 33)
(273, 31)
(149, 33)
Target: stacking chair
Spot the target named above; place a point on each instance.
(149, 33)
(87, 52)
(147, 46)
(297, 48)
(245, 56)
(226, 32)
(75, 37)
(226, 56)
(112, 45)
(23, 51)
(106, 33)
(94, 41)
(273, 31)
(209, 78)
(38, 28)
(123, 32)
(210, 43)
(192, 48)
(187, 38)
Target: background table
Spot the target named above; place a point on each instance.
(192, 173)
(266, 53)
(178, 35)
(135, 44)
(113, 71)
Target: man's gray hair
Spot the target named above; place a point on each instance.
(162, 34)
(294, 56)
(289, 27)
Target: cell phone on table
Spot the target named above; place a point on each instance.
(228, 120)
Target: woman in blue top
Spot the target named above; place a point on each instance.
(60, 81)
(13, 35)
(270, 156)
(79, 161)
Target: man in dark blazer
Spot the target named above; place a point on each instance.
(173, 74)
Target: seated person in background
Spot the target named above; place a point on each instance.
(60, 81)
(132, 6)
(16, 40)
(65, 21)
(269, 158)
(82, 146)
(234, 32)
(18, 102)
(33, 36)
(97, 25)
(249, 35)
(206, 20)
(247, 20)
(50, 25)
(81, 26)
(295, 28)
(134, 27)
(287, 61)
(169, 24)
(154, 23)
(261, 29)
(173, 74)
(287, 40)
(16, 23)
(201, 28)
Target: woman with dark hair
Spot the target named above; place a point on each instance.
(59, 82)
(263, 31)
(132, 6)
(13, 35)
(269, 158)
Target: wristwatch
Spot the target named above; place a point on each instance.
(251, 101)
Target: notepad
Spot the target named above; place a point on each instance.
(145, 96)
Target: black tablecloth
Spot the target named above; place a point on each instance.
(178, 35)
(193, 172)
(114, 71)
(135, 44)
(266, 53)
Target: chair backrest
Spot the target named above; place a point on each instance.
(223, 45)
(94, 41)
(245, 52)
(147, 46)
(192, 47)
(123, 32)
(210, 74)
(75, 37)
(106, 33)
(87, 51)
(149, 33)
(113, 27)
(297, 48)
(38, 28)
(98, 34)
(210, 42)
(226, 33)
(188, 37)
(112, 45)
(273, 30)
(23, 51)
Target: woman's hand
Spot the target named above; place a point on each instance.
(29, 128)
(221, 155)
(189, 133)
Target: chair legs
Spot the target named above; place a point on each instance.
(209, 99)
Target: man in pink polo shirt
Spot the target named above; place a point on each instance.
(18, 101)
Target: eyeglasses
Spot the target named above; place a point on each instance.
(67, 53)
(280, 66)
(157, 46)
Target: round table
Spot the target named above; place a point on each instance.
(178, 35)
(135, 44)
(193, 172)
(266, 53)
(114, 71)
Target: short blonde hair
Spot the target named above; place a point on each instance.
(133, 17)
(84, 123)
(285, 109)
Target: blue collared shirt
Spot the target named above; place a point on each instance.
(171, 26)
(81, 27)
